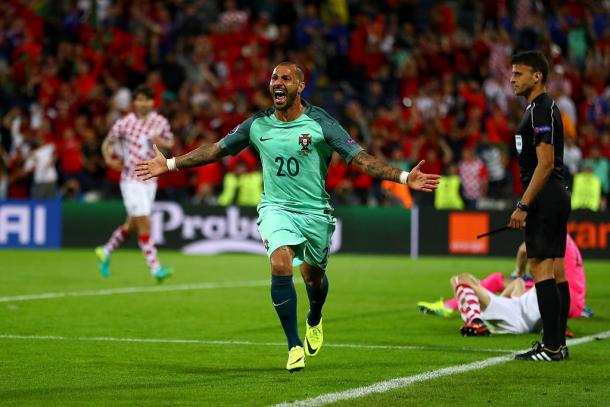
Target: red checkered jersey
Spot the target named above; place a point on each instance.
(473, 173)
(136, 135)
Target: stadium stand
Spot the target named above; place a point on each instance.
(409, 79)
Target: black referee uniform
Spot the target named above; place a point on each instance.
(547, 216)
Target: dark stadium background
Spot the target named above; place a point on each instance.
(409, 80)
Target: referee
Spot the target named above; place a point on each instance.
(545, 204)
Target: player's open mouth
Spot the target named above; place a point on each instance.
(279, 95)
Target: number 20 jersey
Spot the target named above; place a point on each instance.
(295, 155)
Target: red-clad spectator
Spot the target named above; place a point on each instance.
(85, 80)
(69, 154)
(155, 82)
(473, 175)
(337, 172)
(473, 96)
(208, 182)
(498, 126)
(245, 156)
(445, 20)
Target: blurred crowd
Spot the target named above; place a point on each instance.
(408, 79)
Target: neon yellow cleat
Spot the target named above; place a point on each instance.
(435, 308)
(103, 261)
(296, 359)
(314, 336)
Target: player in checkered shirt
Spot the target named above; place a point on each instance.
(134, 136)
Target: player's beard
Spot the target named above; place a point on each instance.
(290, 98)
(524, 91)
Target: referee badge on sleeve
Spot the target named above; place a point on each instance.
(518, 143)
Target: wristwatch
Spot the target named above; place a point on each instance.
(522, 206)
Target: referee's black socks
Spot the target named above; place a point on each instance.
(564, 297)
(550, 309)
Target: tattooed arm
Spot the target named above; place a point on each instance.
(159, 165)
(204, 154)
(380, 169)
(376, 168)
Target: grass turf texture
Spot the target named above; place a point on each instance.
(371, 302)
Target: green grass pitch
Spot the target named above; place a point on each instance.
(210, 336)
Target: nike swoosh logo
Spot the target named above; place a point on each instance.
(281, 303)
(265, 139)
(297, 361)
(309, 348)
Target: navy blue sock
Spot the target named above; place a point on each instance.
(317, 297)
(284, 298)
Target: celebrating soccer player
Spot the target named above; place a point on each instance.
(545, 205)
(136, 133)
(295, 140)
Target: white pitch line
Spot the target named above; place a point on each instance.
(132, 290)
(249, 343)
(387, 385)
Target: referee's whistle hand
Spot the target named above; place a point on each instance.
(152, 168)
(517, 219)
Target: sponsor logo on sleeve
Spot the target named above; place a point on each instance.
(233, 130)
(542, 129)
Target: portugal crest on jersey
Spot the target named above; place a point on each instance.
(304, 142)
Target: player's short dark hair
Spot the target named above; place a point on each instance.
(535, 60)
(143, 90)
(297, 68)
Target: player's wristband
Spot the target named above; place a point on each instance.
(171, 164)
(404, 177)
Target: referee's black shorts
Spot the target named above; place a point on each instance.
(547, 222)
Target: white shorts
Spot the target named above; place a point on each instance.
(517, 315)
(138, 197)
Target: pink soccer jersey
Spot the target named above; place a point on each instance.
(136, 136)
(575, 274)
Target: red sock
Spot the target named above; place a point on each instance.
(468, 303)
(150, 252)
(493, 282)
(117, 237)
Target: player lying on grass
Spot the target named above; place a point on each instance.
(497, 282)
(515, 310)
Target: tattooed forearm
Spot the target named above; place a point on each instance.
(376, 167)
(202, 155)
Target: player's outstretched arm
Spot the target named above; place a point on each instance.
(159, 165)
(380, 169)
